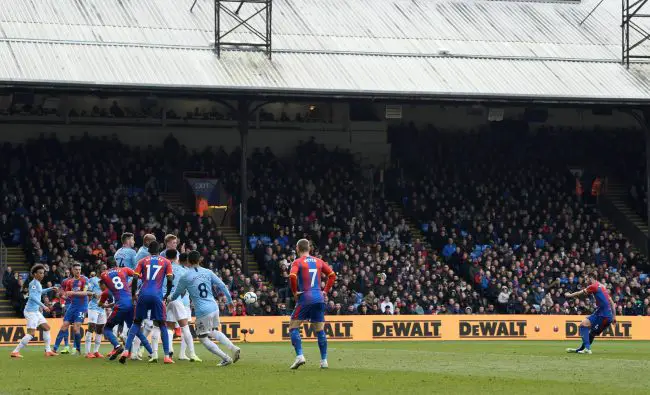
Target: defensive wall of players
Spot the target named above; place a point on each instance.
(381, 328)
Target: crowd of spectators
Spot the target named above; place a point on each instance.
(503, 231)
(70, 202)
(505, 220)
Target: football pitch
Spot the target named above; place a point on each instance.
(514, 367)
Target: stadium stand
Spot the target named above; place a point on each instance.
(514, 229)
(509, 238)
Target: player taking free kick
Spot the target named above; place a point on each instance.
(305, 281)
(596, 323)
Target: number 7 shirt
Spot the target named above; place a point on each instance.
(305, 277)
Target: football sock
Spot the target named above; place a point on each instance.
(77, 341)
(110, 335)
(296, 341)
(223, 339)
(145, 343)
(155, 340)
(165, 340)
(189, 341)
(47, 340)
(170, 336)
(136, 344)
(213, 348)
(322, 344)
(584, 333)
(59, 339)
(89, 341)
(23, 342)
(98, 341)
(133, 332)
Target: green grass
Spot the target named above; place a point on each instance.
(505, 367)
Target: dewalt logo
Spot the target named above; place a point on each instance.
(11, 334)
(492, 329)
(619, 330)
(420, 329)
(333, 329)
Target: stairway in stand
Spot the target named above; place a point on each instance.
(174, 200)
(617, 194)
(16, 260)
(230, 233)
(416, 232)
(234, 239)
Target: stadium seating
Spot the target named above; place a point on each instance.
(504, 231)
(502, 213)
(70, 202)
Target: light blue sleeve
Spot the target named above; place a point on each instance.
(216, 281)
(35, 297)
(180, 288)
(46, 290)
(131, 259)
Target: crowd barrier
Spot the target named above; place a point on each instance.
(391, 328)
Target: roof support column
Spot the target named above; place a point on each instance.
(646, 123)
(243, 106)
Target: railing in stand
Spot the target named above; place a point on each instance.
(3, 258)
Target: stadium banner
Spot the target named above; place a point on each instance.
(208, 189)
(396, 328)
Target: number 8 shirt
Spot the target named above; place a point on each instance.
(117, 281)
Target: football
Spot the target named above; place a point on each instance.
(250, 298)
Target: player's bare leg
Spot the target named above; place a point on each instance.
(296, 341)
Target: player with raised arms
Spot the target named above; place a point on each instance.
(199, 283)
(599, 320)
(152, 270)
(96, 316)
(177, 313)
(76, 288)
(33, 314)
(305, 282)
(116, 281)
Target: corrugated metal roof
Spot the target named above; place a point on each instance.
(347, 46)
